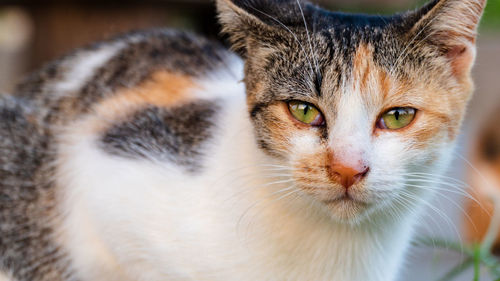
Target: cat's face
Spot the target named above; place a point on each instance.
(355, 106)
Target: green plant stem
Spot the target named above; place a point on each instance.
(477, 261)
(493, 228)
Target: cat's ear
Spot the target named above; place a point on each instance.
(451, 25)
(259, 20)
(239, 22)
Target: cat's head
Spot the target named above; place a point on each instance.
(356, 106)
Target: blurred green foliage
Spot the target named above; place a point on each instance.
(474, 256)
(491, 19)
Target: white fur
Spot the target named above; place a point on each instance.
(141, 220)
(82, 66)
(78, 69)
(6, 277)
(223, 83)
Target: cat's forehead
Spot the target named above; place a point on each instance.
(336, 31)
(326, 61)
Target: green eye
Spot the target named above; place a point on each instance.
(306, 113)
(397, 118)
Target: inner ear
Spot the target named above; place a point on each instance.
(461, 58)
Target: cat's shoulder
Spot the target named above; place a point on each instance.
(128, 58)
(159, 67)
(155, 92)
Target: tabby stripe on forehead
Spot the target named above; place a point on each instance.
(317, 83)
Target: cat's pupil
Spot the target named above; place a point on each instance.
(396, 114)
(306, 109)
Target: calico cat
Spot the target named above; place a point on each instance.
(161, 155)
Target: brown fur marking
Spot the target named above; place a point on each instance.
(164, 89)
(362, 66)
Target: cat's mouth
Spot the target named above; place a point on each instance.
(343, 204)
(345, 198)
(346, 207)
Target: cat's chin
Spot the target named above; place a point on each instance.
(347, 210)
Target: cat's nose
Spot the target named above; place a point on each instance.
(347, 175)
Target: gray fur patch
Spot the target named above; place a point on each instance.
(173, 134)
(27, 207)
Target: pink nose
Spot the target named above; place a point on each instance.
(347, 176)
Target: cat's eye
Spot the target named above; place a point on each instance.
(397, 118)
(306, 113)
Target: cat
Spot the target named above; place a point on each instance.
(298, 155)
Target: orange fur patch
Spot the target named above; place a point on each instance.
(164, 89)
(362, 67)
(371, 81)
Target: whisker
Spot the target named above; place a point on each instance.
(288, 194)
(483, 178)
(405, 201)
(454, 203)
(437, 175)
(494, 226)
(455, 191)
(436, 210)
(263, 200)
(308, 36)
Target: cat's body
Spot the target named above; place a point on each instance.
(205, 194)
(160, 156)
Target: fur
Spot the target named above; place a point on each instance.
(161, 155)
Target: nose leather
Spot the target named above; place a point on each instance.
(346, 175)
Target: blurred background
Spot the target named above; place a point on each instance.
(34, 32)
